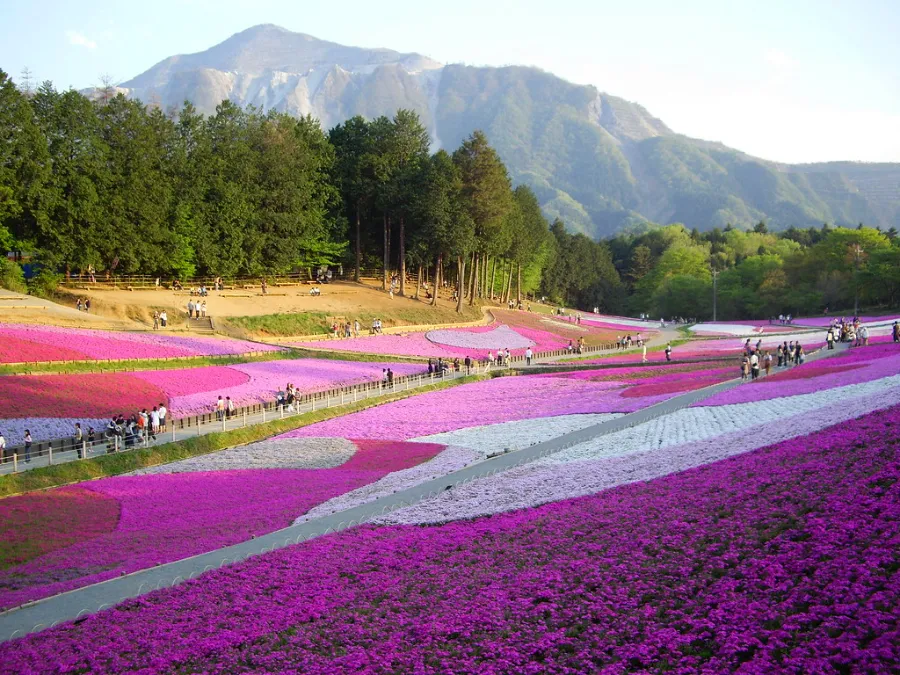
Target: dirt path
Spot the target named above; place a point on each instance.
(21, 308)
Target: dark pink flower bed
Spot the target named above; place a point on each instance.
(783, 560)
(171, 516)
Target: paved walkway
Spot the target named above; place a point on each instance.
(90, 599)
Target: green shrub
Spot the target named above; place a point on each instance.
(11, 276)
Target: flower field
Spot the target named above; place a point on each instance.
(21, 343)
(166, 517)
(506, 399)
(780, 560)
(49, 405)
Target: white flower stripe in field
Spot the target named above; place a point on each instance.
(464, 446)
(491, 438)
(451, 459)
(540, 483)
(690, 425)
(502, 337)
(281, 453)
(48, 428)
(726, 329)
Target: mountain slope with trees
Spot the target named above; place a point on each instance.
(600, 163)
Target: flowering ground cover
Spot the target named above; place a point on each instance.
(825, 321)
(40, 522)
(506, 399)
(781, 560)
(858, 365)
(740, 328)
(680, 440)
(171, 516)
(24, 342)
(49, 405)
(499, 337)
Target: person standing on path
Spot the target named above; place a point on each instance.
(155, 320)
(864, 334)
(669, 351)
(356, 328)
(528, 355)
(767, 360)
(27, 446)
(220, 409)
(264, 286)
(896, 331)
(229, 404)
(829, 338)
(745, 368)
(79, 440)
(164, 318)
(203, 309)
(2, 448)
(644, 354)
(154, 421)
(162, 417)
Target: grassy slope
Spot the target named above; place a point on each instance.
(319, 323)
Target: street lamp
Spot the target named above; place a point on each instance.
(857, 255)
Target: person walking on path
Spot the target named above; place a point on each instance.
(745, 368)
(2, 448)
(190, 308)
(829, 338)
(754, 366)
(896, 331)
(264, 286)
(155, 320)
(220, 408)
(164, 318)
(864, 334)
(27, 446)
(644, 354)
(203, 309)
(528, 355)
(162, 417)
(669, 351)
(356, 328)
(767, 361)
(229, 404)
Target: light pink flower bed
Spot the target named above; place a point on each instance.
(195, 391)
(507, 399)
(825, 321)
(418, 344)
(24, 342)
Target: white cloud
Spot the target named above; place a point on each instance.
(80, 40)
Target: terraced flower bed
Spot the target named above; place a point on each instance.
(779, 560)
(49, 405)
(166, 517)
(28, 343)
(512, 398)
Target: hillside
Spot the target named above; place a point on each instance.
(597, 161)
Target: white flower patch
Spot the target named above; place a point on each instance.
(690, 425)
(502, 337)
(726, 329)
(450, 460)
(491, 438)
(280, 453)
(48, 428)
(646, 452)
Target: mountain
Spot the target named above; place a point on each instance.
(599, 162)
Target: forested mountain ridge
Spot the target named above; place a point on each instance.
(600, 163)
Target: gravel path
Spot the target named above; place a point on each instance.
(282, 453)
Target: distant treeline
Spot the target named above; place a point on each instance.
(112, 184)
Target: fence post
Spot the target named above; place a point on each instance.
(355, 392)
(224, 418)
(15, 462)
(245, 417)
(50, 455)
(282, 410)
(313, 402)
(342, 397)
(264, 412)
(116, 443)
(83, 449)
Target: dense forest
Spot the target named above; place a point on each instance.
(114, 185)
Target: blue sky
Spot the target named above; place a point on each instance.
(792, 81)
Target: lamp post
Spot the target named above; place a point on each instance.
(715, 277)
(857, 255)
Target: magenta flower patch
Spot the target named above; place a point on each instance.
(782, 560)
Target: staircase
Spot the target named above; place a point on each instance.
(203, 325)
